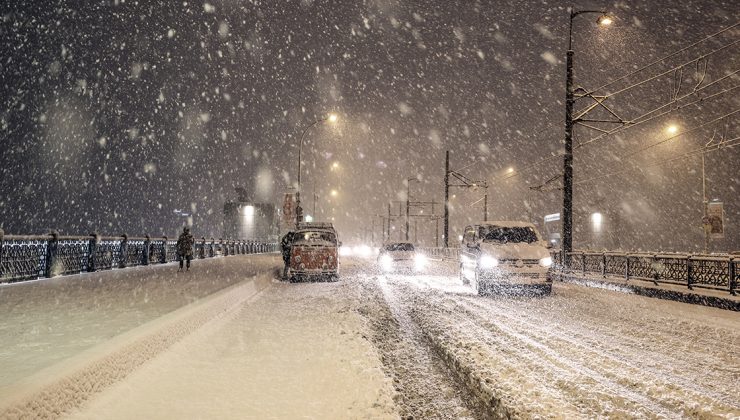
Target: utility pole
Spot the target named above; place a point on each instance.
(389, 222)
(446, 232)
(408, 202)
(567, 213)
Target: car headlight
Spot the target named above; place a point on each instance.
(420, 261)
(487, 261)
(386, 262)
(546, 262)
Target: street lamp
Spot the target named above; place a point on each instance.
(332, 118)
(567, 244)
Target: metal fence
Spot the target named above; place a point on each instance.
(441, 253)
(700, 271)
(33, 257)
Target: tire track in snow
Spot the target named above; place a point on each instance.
(426, 389)
(592, 345)
(562, 370)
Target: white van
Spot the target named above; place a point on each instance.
(505, 256)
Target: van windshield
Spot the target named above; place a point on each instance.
(311, 237)
(500, 234)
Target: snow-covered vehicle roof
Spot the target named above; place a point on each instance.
(506, 223)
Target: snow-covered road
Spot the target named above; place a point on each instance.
(581, 352)
(229, 341)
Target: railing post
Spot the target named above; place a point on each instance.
(2, 239)
(147, 248)
(163, 258)
(689, 271)
(92, 249)
(583, 263)
(731, 267)
(123, 251)
(603, 265)
(626, 266)
(51, 253)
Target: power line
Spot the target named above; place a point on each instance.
(672, 69)
(650, 146)
(661, 59)
(665, 161)
(630, 124)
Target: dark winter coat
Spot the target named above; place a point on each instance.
(185, 244)
(285, 243)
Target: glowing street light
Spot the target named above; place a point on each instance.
(672, 129)
(334, 193)
(332, 118)
(604, 20)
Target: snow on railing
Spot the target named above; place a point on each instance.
(441, 253)
(718, 272)
(24, 257)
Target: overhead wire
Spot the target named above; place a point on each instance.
(624, 127)
(724, 145)
(518, 172)
(663, 59)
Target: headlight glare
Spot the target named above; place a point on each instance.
(487, 261)
(546, 262)
(386, 262)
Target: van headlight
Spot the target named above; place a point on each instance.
(546, 262)
(487, 261)
(420, 261)
(386, 262)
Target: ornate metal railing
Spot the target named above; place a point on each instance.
(32, 257)
(700, 271)
(441, 253)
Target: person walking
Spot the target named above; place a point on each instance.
(185, 247)
(285, 244)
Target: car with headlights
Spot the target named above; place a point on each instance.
(401, 256)
(505, 257)
(314, 253)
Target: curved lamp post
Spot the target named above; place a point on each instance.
(567, 219)
(332, 118)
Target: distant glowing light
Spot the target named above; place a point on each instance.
(605, 20)
(334, 193)
(672, 129)
(309, 218)
(333, 118)
(597, 220)
(510, 170)
(248, 211)
(335, 165)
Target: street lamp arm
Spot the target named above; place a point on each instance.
(300, 147)
(573, 14)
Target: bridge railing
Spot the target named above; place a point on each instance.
(716, 272)
(33, 257)
(441, 253)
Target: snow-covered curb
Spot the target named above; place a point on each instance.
(643, 288)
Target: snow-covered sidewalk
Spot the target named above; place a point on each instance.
(257, 349)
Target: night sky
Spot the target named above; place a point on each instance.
(114, 114)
